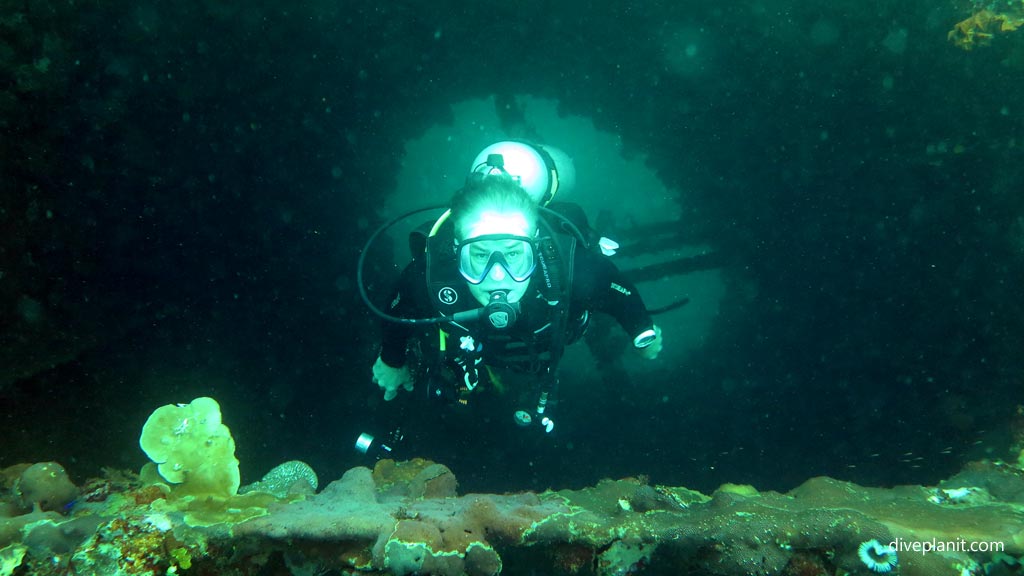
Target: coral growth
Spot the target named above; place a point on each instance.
(192, 449)
(983, 25)
(45, 485)
(405, 518)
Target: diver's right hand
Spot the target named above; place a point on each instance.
(391, 379)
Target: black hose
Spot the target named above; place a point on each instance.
(362, 263)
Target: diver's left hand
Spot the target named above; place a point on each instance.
(652, 350)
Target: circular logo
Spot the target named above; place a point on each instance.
(499, 319)
(448, 295)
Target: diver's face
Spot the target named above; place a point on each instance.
(503, 264)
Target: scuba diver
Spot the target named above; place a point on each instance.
(504, 279)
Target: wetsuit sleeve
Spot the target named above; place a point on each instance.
(602, 287)
(407, 301)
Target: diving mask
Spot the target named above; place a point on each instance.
(497, 256)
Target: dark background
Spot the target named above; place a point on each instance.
(183, 184)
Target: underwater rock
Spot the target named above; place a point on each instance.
(10, 475)
(45, 485)
(1005, 483)
(620, 527)
(13, 529)
(405, 518)
(416, 478)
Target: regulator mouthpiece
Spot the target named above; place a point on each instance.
(499, 312)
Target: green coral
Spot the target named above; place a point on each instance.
(193, 460)
(182, 557)
(11, 558)
(193, 452)
(204, 511)
(192, 448)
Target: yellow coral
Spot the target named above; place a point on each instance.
(980, 27)
(192, 448)
(182, 557)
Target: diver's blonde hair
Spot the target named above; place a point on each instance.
(497, 193)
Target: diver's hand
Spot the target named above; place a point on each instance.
(653, 346)
(391, 379)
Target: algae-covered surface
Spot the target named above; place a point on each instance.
(407, 518)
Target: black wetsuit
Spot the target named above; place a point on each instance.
(597, 286)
